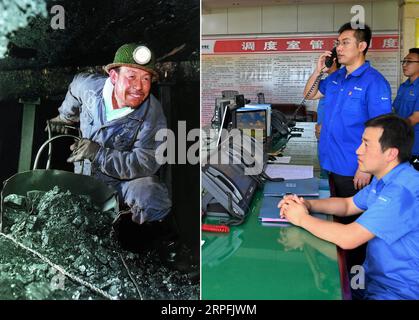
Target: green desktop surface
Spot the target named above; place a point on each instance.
(255, 262)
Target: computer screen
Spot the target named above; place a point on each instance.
(252, 119)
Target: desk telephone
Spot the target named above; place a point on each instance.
(229, 190)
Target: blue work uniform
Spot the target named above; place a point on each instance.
(348, 103)
(320, 111)
(391, 206)
(126, 159)
(406, 103)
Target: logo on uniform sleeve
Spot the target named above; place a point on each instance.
(384, 199)
(356, 88)
(384, 98)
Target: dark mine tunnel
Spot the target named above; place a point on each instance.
(44, 45)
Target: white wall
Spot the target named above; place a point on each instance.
(308, 18)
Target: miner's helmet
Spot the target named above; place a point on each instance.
(134, 55)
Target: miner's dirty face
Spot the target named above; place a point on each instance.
(131, 86)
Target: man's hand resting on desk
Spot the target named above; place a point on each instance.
(294, 209)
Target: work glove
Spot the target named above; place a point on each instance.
(83, 149)
(59, 125)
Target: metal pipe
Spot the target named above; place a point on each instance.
(35, 165)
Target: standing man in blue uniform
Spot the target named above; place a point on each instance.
(406, 103)
(353, 94)
(119, 119)
(389, 206)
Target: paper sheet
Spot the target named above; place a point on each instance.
(289, 171)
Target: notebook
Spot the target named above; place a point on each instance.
(300, 187)
(269, 211)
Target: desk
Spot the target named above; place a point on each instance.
(260, 262)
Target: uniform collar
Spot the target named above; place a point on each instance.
(359, 71)
(107, 93)
(393, 173)
(415, 83)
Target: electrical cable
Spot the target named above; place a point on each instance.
(215, 228)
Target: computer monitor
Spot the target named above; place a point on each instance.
(253, 117)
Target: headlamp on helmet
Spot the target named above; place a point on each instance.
(142, 55)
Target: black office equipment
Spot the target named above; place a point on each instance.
(220, 111)
(230, 185)
(229, 192)
(240, 101)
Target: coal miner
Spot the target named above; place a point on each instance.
(119, 119)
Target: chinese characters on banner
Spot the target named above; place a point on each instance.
(278, 67)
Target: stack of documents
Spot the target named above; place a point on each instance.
(273, 193)
(287, 171)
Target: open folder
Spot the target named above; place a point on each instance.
(300, 187)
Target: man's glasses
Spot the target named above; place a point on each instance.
(407, 62)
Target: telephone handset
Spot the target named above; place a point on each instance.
(329, 60)
(221, 180)
(229, 192)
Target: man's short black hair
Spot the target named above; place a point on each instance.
(414, 50)
(397, 133)
(361, 34)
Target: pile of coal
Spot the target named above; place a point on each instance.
(73, 233)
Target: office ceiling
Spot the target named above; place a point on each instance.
(218, 4)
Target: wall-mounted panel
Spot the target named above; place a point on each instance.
(385, 15)
(279, 19)
(315, 18)
(215, 22)
(244, 20)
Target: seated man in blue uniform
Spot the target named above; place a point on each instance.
(119, 119)
(406, 103)
(352, 95)
(389, 206)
